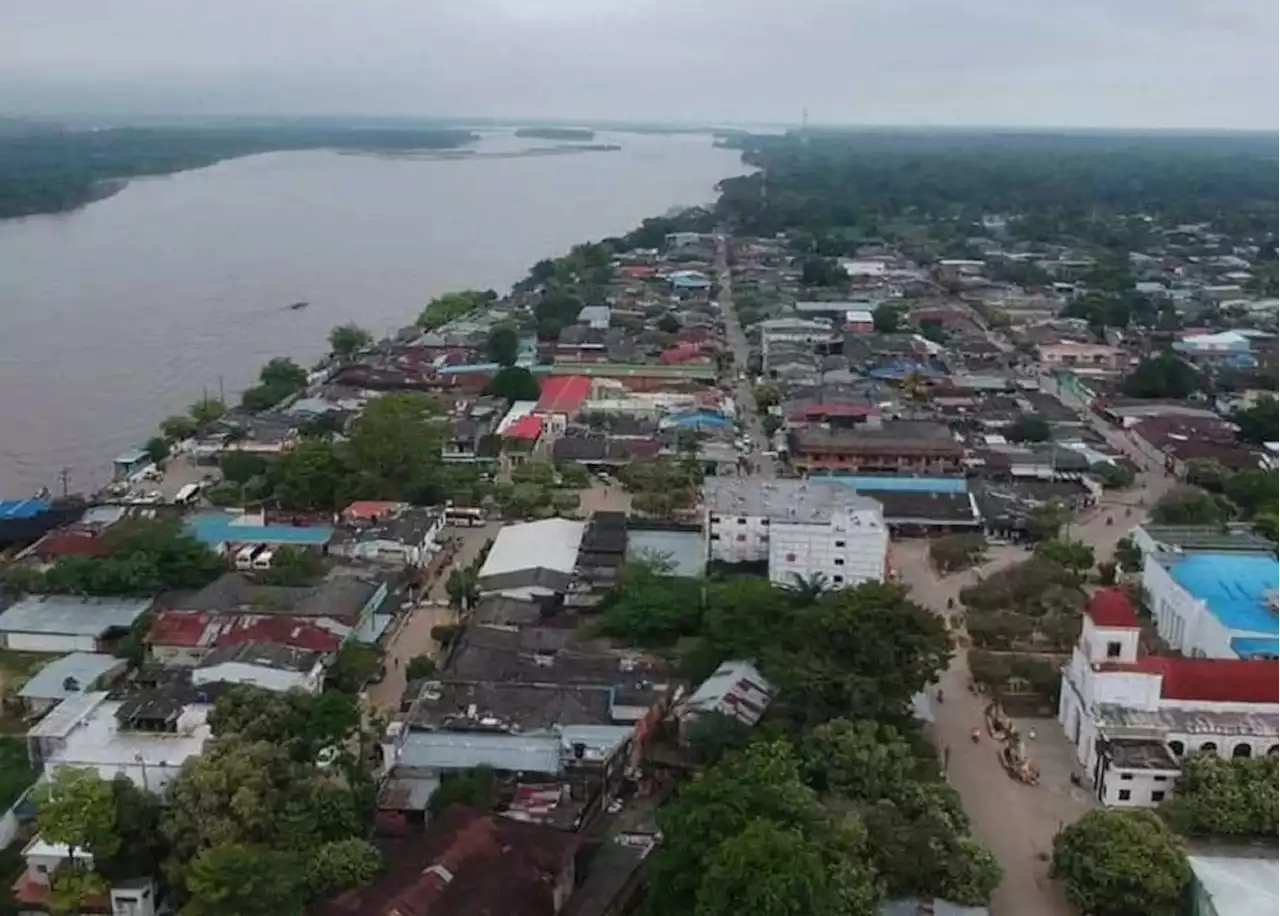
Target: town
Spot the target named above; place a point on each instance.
(895, 536)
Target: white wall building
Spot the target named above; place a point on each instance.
(1215, 604)
(801, 528)
(146, 739)
(135, 897)
(1131, 717)
(532, 560)
(269, 666)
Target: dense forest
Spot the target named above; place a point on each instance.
(45, 169)
(1067, 183)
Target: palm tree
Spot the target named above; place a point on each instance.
(807, 591)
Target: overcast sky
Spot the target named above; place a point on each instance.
(1106, 63)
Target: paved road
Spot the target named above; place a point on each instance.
(736, 338)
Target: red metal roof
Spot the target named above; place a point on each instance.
(1209, 680)
(74, 543)
(1111, 607)
(202, 630)
(528, 428)
(564, 393)
(369, 509)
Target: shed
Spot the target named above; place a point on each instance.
(64, 623)
(67, 676)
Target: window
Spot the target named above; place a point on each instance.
(1241, 751)
(1160, 778)
(1123, 794)
(1157, 797)
(764, 539)
(1208, 748)
(791, 558)
(715, 537)
(1274, 750)
(1177, 748)
(741, 538)
(839, 561)
(742, 521)
(1126, 776)
(764, 521)
(837, 580)
(1113, 650)
(839, 543)
(42, 869)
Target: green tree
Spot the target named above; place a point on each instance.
(1260, 423)
(70, 886)
(239, 466)
(1162, 376)
(179, 427)
(354, 666)
(241, 879)
(77, 807)
(767, 870)
(207, 410)
(651, 610)
(1128, 555)
(420, 667)
(957, 551)
(312, 475)
(1207, 474)
(766, 396)
(1112, 475)
(514, 383)
(395, 447)
(462, 588)
(713, 734)
(475, 788)
(861, 759)
(446, 308)
(342, 865)
(157, 449)
(1107, 573)
(1252, 491)
(1047, 519)
(503, 345)
(280, 371)
(1220, 798)
(346, 339)
(1029, 427)
(887, 319)
(294, 567)
(1186, 506)
(1074, 555)
(1114, 862)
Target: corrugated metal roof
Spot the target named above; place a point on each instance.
(82, 668)
(65, 615)
(464, 750)
(23, 508)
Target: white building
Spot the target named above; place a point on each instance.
(134, 897)
(66, 623)
(801, 528)
(736, 689)
(269, 666)
(1131, 717)
(1215, 604)
(532, 559)
(145, 738)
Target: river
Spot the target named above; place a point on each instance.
(118, 314)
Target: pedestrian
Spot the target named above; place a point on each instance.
(1031, 733)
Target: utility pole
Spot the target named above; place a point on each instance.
(64, 475)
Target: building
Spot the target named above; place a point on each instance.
(1071, 355)
(1131, 717)
(1215, 604)
(262, 664)
(186, 638)
(64, 623)
(736, 689)
(218, 528)
(533, 559)
(909, 446)
(67, 676)
(799, 528)
(1235, 885)
(31, 891)
(351, 599)
(918, 505)
(145, 737)
(396, 534)
(467, 863)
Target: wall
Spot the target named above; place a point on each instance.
(1138, 785)
(1181, 620)
(183, 656)
(737, 538)
(257, 675)
(850, 550)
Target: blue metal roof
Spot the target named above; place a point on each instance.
(23, 508)
(1234, 586)
(1255, 647)
(221, 528)
(865, 484)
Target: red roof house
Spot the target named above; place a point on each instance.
(564, 394)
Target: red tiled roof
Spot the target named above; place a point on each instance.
(1111, 607)
(527, 427)
(368, 509)
(638, 271)
(564, 393)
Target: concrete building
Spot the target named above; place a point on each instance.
(32, 890)
(145, 738)
(799, 528)
(1215, 604)
(1235, 885)
(903, 446)
(396, 534)
(736, 689)
(1071, 355)
(1131, 717)
(68, 676)
(64, 623)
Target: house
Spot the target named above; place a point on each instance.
(469, 863)
(264, 665)
(799, 528)
(1172, 442)
(129, 463)
(218, 528)
(396, 534)
(1131, 717)
(31, 891)
(185, 638)
(145, 737)
(532, 559)
(595, 316)
(736, 689)
(351, 599)
(75, 673)
(64, 623)
(1152, 538)
(859, 321)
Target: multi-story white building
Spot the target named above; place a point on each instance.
(1215, 604)
(1132, 717)
(800, 528)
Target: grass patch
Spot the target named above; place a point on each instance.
(16, 772)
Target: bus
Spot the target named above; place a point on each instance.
(463, 517)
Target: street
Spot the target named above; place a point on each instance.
(759, 464)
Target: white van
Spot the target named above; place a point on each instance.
(244, 558)
(262, 559)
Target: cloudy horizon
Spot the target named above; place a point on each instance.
(1176, 64)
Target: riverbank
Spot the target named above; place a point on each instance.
(448, 155)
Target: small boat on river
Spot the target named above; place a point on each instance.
(298, 305)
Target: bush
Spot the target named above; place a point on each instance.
(419, 668)
(1116, 863)
(1225, 798)
(445, 633)
(957, 551)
